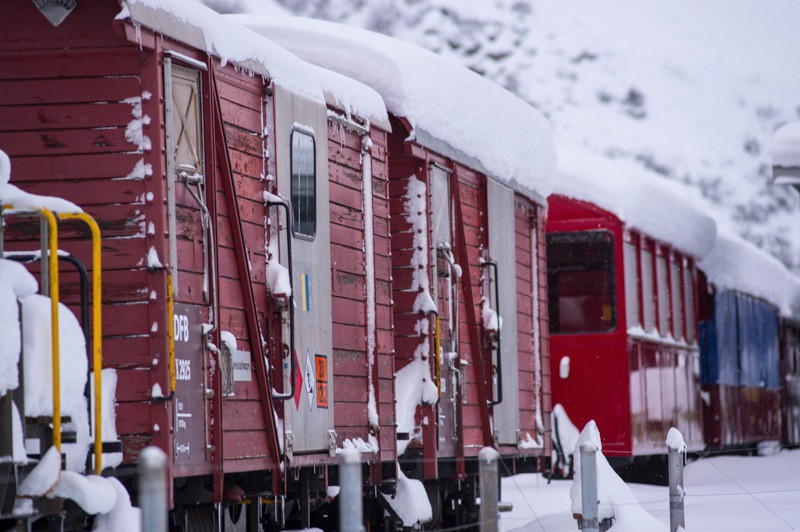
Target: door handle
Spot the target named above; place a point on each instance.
(563, 367)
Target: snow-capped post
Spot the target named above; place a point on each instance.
(589, 516)
(350, 502)
(489, 489)
(675, 459)
(153, 489)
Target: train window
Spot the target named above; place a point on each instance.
(648, 294)
(677, 304)
(304, 185)
(631, 284)
(663, 294)
(688, 297)
(440, 204)
(580, 271)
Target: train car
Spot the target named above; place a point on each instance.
(790, 381)
(242, 196)
(469, 167)
(746, 297)
(622, 249)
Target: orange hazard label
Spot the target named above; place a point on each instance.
(321, 370)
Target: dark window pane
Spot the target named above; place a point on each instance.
(304, 181)
(580, 274)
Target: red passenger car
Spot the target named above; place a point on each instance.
(621, 252)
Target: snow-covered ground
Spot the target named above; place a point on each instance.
(758, 494)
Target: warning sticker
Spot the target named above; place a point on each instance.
(309, 380)
(321, 365)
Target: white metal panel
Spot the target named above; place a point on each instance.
(500, 208)
(663, 295)
(311, 276)
(631, 284)
(688, 297)
(677, 305)
(440, 205)
(648, 303)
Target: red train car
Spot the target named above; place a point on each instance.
(621, 255)
(469, 165)
(207, 153)
(749, 391)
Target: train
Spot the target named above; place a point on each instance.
(305, 238)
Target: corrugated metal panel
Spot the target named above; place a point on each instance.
(631, 284)
(677, 304)
(647, 290)
(663, 295)
(725, 321)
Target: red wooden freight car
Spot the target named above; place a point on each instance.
(621, 254)
(469, 165)
(206, 152)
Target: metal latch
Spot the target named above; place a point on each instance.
(332, 443)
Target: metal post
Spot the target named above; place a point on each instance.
(351, 507)
(489, 489)
(153, 489)
(589, 520)
(677, 517)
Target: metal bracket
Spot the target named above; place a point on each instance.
(289, 445)
(332, 443)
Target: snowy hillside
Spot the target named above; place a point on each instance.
(690, 90)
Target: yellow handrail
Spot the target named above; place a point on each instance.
(97, 334)
(171, 332)
(52, 265)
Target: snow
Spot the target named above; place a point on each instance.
(529, 443)
(23, 201)
(739, 265)
(491, 321)
(134, 133)
(207, 30)
(92, 493)
(675, 440)
(109, 413)
(43, 477)
(18, 278)
(615, 498)
(123, 517)
(568, 433)
(641, 199)
(449, 107)
(228, 340)
(356, 444)
(786, 145)
(5, 168)
(745, 494)
(278, 280)
(410, 501)
(10, 333)
(412, 387)
(153, 262)
(18, 453)
(369, 266)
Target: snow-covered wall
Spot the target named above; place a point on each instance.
(642, 200)
(445, 102)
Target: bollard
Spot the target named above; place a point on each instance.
(153, 489)
(677, 517)
(589, 517)
(350, 499)
(489, 489)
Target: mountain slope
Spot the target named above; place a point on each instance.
(691, 90)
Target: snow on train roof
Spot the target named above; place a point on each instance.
(643, 200)
(736, 264)
(452, 109)
(203, 28)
